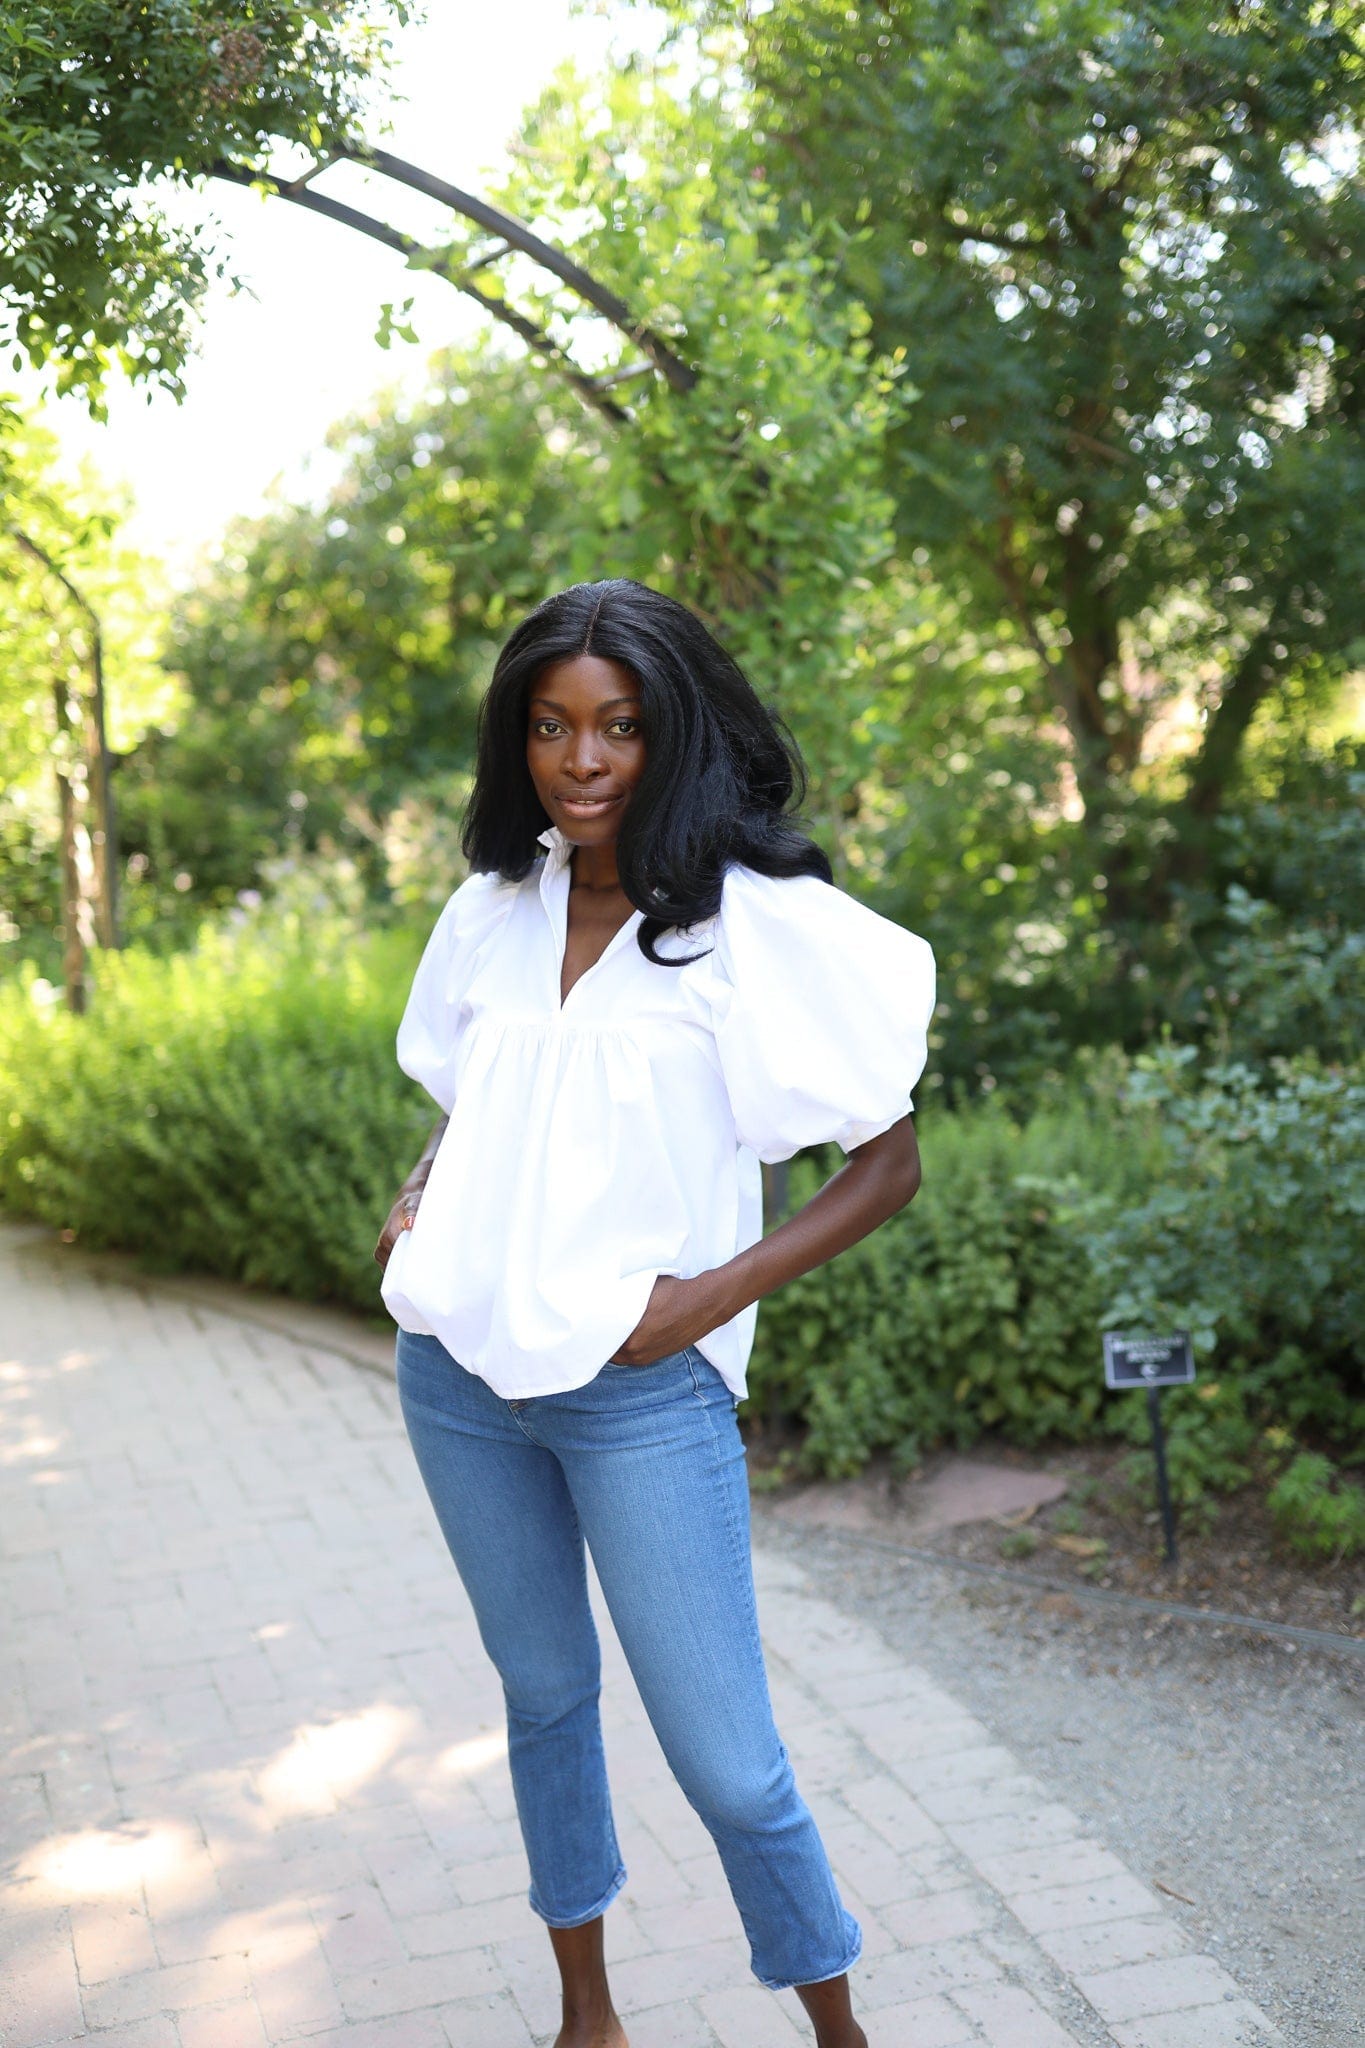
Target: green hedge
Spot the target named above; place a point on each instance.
(237, 1109)
(1216, 1200)
(977, 1308)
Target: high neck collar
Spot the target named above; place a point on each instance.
(558, 849)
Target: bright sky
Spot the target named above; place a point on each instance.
(276, 366)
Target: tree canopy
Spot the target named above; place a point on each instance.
(101, 103)
(1123, 252)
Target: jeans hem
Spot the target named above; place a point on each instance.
(592, 1913)
(791, 1983)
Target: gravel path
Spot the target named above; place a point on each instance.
(1220, 1766)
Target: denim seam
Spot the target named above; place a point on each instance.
(621, 1873)
(790, 1983)
(515, 1415)
(594, 1912)
(740, 1551)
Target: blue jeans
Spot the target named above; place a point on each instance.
(645, 1462)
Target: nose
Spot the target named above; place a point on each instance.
(581, 760)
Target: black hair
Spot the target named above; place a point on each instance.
(721, 777)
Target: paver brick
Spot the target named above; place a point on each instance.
(180, 1985)
(1049, 1865)
(460, 1927)
(887, 1807)
(421, 1981)
(356, 1930)
(921, 1972)
(639, 1982)
(941, 1917)
(748, 2017)
(923, 2022)
(870, 1865)
(496, 1877)
(1012, 2018)
(40, 1999)
(1136, 1990)
(689, 1924)
(981, 1798)
(158, 2032)
(482, 2023)
(1110, 1943)
(1028, 1827)
(294, 1989)
(1238, 2024)
(235, 2025)
(112, 1940)
(1081, 1905)
(676, 2025)
(408, 2030)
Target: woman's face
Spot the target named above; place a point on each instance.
(585, 745)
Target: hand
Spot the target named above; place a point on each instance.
(400, 1218)
(678, 1312)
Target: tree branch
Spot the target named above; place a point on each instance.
(677, 374)
(45, 561)
(1257, 674)
(299, 193)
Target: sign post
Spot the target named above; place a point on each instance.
(1153, 1363)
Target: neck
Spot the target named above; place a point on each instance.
(594, 867)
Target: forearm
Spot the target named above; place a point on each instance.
(417, 1179)
(877, 1181)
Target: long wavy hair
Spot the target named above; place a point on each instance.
(722, 773)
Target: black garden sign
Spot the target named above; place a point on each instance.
(1153, 1363)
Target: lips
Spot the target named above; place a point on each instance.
(586, 806)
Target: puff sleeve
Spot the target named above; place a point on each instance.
(822, 1013)
(429, 1031)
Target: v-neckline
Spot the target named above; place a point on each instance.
(555, 883)
(566, 995)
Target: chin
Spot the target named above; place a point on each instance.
(602, 832)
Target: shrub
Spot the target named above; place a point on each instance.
(976, 1309)
(235, 1109)
(1251, 1235)
(1316, 1518)
(238, 1109)
(1186, 1199)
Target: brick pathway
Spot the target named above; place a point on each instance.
(255, 1787)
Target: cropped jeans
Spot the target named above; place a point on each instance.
(647, 1465)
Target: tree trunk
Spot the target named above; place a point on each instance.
(99, 858)
(77, 924)
(103, 835)
(1255, 676)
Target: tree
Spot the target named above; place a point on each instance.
(104, 105)
(1123, 251)
(98, 101)
(65, 596)
(756, 494)
(333, 654)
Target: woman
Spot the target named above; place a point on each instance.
(617, 1034)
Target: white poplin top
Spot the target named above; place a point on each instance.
(595, 1145)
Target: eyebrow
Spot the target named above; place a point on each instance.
(610, 704)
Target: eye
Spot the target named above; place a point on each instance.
(625, 725)
(546, 726)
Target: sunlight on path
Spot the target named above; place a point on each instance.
(255, 1785)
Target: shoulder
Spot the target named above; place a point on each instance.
(477, 908)
(751, 901)
(805, 914)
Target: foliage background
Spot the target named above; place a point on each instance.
(1023, 471)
